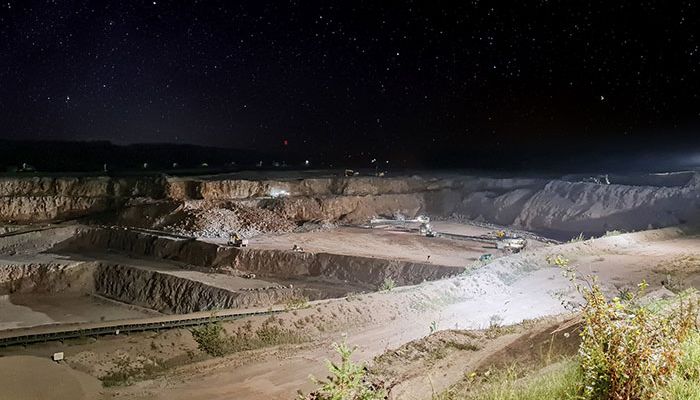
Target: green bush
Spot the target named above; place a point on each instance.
(348, 381)
(627, 350)
(211, 339)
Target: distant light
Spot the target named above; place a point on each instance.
(306, 162)
(285, 142)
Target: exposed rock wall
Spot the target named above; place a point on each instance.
(558, 207)
(188, 251)
(336, 267)
(172, 294)
(38, 199)
(269, 263)
(49, 277)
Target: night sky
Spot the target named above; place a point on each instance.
(354, 77)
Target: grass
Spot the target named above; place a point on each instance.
(126, 371)
(577, 239)
(559, 383)
(685, 384)
(613, 232)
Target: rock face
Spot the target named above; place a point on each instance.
(214, 208)
(39, 199)
(284, 264)
(172, 294)
(49, 277)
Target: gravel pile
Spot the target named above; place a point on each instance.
(219, 221)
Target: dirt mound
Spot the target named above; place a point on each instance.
(219, 220)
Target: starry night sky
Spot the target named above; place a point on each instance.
(353, 77)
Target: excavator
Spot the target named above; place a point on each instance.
(236, 240)
(509, 243)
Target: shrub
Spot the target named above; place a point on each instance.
(348, 381)
(628, 351)
(211, 339)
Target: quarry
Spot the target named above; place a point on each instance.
(116, 273)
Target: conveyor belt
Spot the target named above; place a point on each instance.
(45, 333)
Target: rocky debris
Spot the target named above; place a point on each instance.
(220, 220)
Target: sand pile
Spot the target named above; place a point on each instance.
(219, 220)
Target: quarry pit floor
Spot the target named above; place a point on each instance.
(39, 303)
(508, 289)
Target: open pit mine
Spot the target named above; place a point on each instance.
(235, 286)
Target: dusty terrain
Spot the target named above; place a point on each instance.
(83, 252)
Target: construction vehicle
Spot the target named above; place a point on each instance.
(512, 244)
(424, 228)
(236, 240)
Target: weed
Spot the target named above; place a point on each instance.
(558, 261)
(613, 232)
(433, 327)
(297, 303)
(127, 371)
(579, 238)
(496, 328)
(388, 285)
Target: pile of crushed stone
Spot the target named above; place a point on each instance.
(221, 220)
